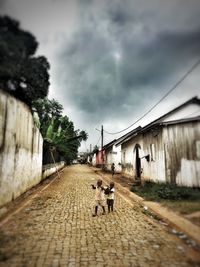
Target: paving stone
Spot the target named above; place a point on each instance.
(57, 229)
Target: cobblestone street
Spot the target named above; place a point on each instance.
(56, 228)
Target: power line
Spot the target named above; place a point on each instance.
(156, 104)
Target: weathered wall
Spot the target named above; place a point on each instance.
(20, 149)
(174, 154)
(49, 169)
(154, 146)
(94, 160)
(182, 148)
(108, 158)
(127, 157)
(113, 155)
(99, 159)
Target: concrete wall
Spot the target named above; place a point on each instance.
(94, 160)
(49, 169)
(113, 155)
(99, 159)
(20, 149)
(174, 154)
(128, 156)
(154, 146)
(182, 149)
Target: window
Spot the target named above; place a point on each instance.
(152, 152)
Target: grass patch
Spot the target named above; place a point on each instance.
(161, 191)
(182, 206)
(184, 200)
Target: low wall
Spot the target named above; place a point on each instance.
(49, 169)
(20, 149)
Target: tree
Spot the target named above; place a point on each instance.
(58, 131)
(21, 74)
(48, 110)
(95, 149)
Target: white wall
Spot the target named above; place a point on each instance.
(176, 158)
(182, 146)
(51, 168)
(117, 158)
(189, 174)
(189, 111)
(128, 156)
(113, 155)
(94, 160)
(154, 169)
(20, 149)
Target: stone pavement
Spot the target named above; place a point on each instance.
(56, 228)
(174, 219)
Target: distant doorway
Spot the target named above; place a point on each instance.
(137, 162)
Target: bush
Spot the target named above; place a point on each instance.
(156, 191)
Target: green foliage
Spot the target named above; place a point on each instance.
(57, 130)
(157, 191)
(21, 74)
(95, 149)
(49, 111)
(83, 135)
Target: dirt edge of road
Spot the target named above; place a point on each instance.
(23, 200)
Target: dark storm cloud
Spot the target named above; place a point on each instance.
(119, 15)
(151, 62)
(2, 3)
(111, 60)
(95, 77)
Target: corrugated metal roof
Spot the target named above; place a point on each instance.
(158, 122)
(128, 135)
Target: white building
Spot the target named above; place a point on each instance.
(113, 152)
(112, 155)
(167, 149)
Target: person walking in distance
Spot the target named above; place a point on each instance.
(99, 197)
(113, 168)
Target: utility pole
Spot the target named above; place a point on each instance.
(102, 143)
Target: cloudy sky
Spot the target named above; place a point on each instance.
(112, 60)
